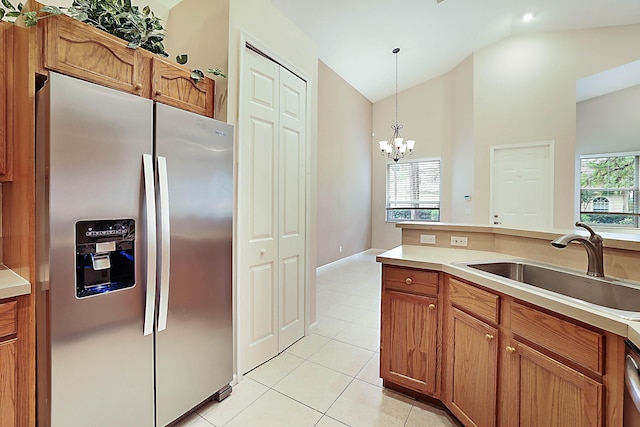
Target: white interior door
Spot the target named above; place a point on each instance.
(522, 185)
(257, 275)
(271, 211)
(293, 103)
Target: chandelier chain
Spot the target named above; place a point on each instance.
(395, 51)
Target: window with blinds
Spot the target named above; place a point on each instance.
(413, 191)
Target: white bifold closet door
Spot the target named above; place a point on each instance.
(271, 210)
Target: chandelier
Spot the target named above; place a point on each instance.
(396, 147)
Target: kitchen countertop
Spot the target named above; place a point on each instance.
(12, 284)
(441, 259)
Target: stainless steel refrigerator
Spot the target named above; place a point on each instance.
(134, 205)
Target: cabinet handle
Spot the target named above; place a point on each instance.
(510, 350)
(138, 87)
(489, 337)
(408, 281)
(432, 307)
(158, 93)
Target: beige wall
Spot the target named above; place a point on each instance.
(462, 144)
(519, 90)
(524, 91)
(344, 178)
(609, 123)
(424, 111)
(204, 37)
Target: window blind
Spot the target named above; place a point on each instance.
(413, 191)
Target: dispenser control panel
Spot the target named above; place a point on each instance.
(105, 257)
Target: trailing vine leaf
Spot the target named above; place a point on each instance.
(30, 18)
(197, 75)
(216, 72)
(7, 10)
(52, 10)
(182, 59)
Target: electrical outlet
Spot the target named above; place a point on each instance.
(458, 241)
(429, 239)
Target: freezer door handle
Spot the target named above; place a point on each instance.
(149, 197)
(165, 251)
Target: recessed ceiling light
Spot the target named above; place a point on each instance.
(527, 17)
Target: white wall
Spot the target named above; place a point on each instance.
(519, 90)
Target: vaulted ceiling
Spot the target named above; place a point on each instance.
(355, 37)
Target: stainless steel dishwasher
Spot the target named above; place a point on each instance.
(632, 386)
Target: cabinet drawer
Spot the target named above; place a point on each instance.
(578, 344)
(410, 280)
(7, 318)
(474, 300)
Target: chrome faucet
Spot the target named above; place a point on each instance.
(593, 245)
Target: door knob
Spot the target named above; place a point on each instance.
(408, 281)
(489, 337)
(510, 350)
(432, 307)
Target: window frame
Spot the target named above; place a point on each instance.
(416, 205)
(635, 189)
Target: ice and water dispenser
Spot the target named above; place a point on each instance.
(105, 258)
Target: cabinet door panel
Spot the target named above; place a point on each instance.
(409, 335)
(8, 387)
(552, 394)
(81, 51)
(173, 85)
(472, 375)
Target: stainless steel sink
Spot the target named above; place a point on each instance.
(619, 297)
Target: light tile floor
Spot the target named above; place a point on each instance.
(329, 378)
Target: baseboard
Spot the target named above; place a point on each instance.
(342, 260)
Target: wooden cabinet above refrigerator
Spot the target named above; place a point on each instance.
(71, 47)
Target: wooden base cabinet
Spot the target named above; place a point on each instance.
(472, 375)
(8, 364)
(409, 332)
(511, 364)
(545, 392)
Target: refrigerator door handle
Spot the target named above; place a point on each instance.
(149, 196)
(165, 252)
